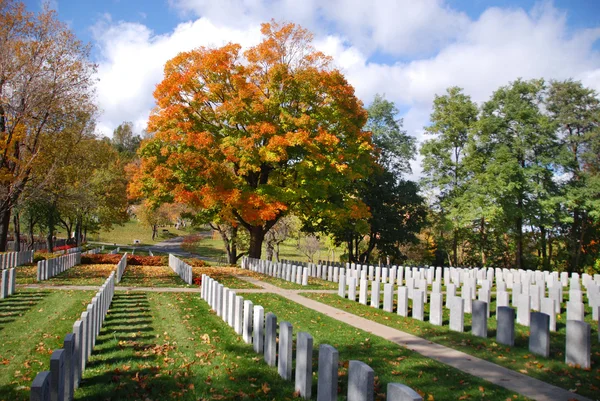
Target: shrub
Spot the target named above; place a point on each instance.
(100, 259)
(147, 260)
(195, 262)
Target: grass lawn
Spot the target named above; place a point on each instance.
(77, 275)
(125, 234)
(151, 276)
(552, 370)
(228, 276)
(32, 325)
(165, 346)
(391, 363)
(313, 283)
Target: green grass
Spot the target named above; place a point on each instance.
(32, 325)
(391, 363)
(76, 275)
(125, 234)
(151, 276)
(313, 283)
(551, 370)
(161, 346)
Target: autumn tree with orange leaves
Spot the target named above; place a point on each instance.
(255, 135)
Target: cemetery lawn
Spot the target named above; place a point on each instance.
(125, 234)
(32, 325)
(551, 370)
(313, 283)
(228, 276)
(168, 346)
(77, 275)
(150, 276)
(391, 363)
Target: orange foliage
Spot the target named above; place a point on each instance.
(253, 134)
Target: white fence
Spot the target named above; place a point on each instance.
(14, 259)
(121, 267)
(181, 268)
(51, 267)
(69, 362)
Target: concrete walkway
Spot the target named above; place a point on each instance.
(509, 379)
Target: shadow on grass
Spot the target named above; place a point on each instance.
(117, 368)
(19, 303)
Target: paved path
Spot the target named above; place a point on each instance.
(509, 379)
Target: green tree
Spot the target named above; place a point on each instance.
(520, 144)
(576, 110)
(453, 118)
(125, 141)
(396, 210)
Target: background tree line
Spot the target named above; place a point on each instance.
(515, 182)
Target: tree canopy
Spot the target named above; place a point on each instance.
(256, 134)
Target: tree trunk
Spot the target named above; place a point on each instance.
(78, 231)
(257, 236)
(483, 242)
(270, 250)
(544, 248)
(17, 231)
(519, 233)
(31, 235)
(50, 226)
(154, 229)
(455, 248)
(4, 223)
(233, 257)
(277, 252)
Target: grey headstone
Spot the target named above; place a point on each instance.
(40, 387)
(231, 309)
(364, 289)
(57, 372)
(548, 307)
(418, 305)
(502, 299)
(342, 286)
(69, 347)
(436, 309)
(284, 367)
(575, 310)
(304, 350)
(388, 297)
(247, 327)
(457, 314)
(225, 309)
(4, 285)
(539, 334)
(479, 319)
(523, 309)
(400, 392)
(505, 333)
(361, 382)
(78, 333)
(403, 301)
(327, 382)
(578, 344)
(12, 280)
(375, 289)
(271, 339)
(352, 288)
(239, 315)
(258, 335)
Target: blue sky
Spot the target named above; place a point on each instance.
(410, 50)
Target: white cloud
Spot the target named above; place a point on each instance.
(478, 55)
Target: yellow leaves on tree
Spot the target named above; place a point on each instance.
(254, 134)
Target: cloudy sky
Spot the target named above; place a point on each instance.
(409, 50)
